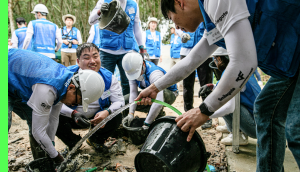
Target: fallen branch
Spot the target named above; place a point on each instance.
(21, 138)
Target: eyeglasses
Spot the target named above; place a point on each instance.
(76, 103)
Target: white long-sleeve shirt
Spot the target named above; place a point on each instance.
(79, 39)
(92, 34)
(30, 32)
(183, 51)
(236, 30)
(137, 29)
(155, 107)
(115, 96)
(45, 116)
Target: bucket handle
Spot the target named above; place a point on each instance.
(172, 108)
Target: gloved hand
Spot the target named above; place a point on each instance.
(127, 120)
(80, 119)
(104, 8)
(145, 127)
(205, 90)
(58, 160)
(185, 37)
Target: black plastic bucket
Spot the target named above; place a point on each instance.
(42, 164)
(166, 149)
(136, 132)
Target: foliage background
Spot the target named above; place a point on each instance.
(81, 9)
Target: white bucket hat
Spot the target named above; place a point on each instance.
(172, 25)
(152, 19)
(69, 15)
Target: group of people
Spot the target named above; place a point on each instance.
(54, 98)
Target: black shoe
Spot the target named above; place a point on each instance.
(100, 148)
(208, 124)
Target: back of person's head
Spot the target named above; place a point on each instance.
(20, 21)
(84, 46)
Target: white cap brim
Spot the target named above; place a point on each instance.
(85, 106)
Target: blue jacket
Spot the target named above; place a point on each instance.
(113, 41)
(96, 39)
(150, 67)
(107, 77)
(153, 44)
(43, 39)
(69, 36)
(249, 95)
(175, 47)
(21, 34)
(195, 37)
(276, 29)
(26, 68)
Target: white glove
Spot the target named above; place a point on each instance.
(185, 37)
(127, 120)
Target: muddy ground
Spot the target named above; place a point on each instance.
(19, 152)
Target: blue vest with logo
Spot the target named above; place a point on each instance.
(248, 97)
(276, 30)
(150, 67)
(96, 39)
(69, 35)
(107, 77)
(175, 47)
(26, 68)
(153, 44)
(113, 41)
(21, 34)
(195, 37)
(43, 39)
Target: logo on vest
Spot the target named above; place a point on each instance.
(240, 76)
(41, 48)
(222, 16)
(68, 82)
(226, 95)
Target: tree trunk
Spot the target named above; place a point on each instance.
(10, 15)
(150, 6)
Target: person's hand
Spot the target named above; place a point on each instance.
(160, 59)
(104, 8)
(66, 42)
(190, 121)
(58, 160)
(205, 90)
(127, 120)
(80, 119)
(185, 37)
(99, 117)
(147, 94)
(74, 41)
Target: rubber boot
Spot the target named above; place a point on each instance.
(37, 151)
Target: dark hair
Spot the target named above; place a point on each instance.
(20, 20)
(223, 64)
(69, 18)
(166, 6)
(83, 46)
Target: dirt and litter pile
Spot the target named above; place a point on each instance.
(121, 150)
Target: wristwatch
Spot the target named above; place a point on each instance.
(203, 108)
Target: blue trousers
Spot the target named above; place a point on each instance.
(277, 115)
(109, 62)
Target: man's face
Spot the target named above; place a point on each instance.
(71, 98)
(69, 22)
(187, 18)
(153, 25)
(89, 59)
(172, 31)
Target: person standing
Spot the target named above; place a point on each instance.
(153, 40)
(19, 35)
(71, 38)
(94, 35)
(43, 33)
(114, 46)
(175, 46)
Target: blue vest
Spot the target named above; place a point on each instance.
(175, 48)
(26, 68)
(69, 35)
(43, 39)
(195, 37)
(248, 97)
(150, 67)
(21, 34)
(135, 46)
(113, 41)
(107, 76)
(96, 39)
(153, 44)
(276, 30)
